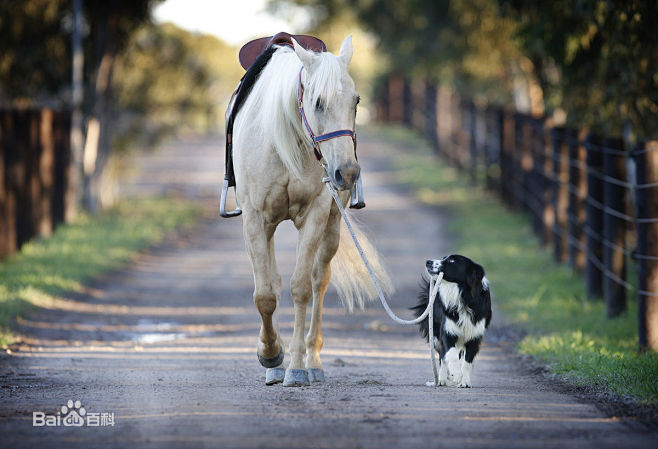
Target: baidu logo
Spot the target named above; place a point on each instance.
(73, 414)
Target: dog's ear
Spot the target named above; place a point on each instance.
(474, 276)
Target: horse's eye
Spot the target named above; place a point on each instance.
(358, 99)
(319, 105)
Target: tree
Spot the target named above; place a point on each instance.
(605, 55)
(466, 44)
(35, 68)
(170, 79)
(112, 22)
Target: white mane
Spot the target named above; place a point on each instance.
(271, 111)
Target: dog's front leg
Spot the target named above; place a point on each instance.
(451, 360)
(443, 373)
(471, 349)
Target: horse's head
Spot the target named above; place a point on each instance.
(329, 102)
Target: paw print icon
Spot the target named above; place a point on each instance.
(73, 413)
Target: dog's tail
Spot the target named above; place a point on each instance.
(419, 308)
(350, 275)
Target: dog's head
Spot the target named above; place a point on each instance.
(460, 270)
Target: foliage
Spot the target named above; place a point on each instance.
(79, 252)
(35, 43)
(33, 49)
(605, 51)
(594, 59)
(565, 330)
(467, 43)
(169, 78)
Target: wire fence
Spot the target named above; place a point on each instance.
(590, 197)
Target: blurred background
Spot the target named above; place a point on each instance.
(103, 79)
(549, 108)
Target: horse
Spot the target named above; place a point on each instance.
(278, 178)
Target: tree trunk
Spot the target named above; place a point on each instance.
(98, 142)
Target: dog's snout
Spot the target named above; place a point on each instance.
(433, 266)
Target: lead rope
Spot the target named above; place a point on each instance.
(435, 281)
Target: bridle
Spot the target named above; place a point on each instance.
(322, 137)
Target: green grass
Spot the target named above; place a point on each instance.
(566, 331)
(76, 253)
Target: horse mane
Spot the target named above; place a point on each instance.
(271, 111)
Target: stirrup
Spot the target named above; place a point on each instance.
(356, 197)
(222, 203)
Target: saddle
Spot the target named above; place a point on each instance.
(254, 56)
(252, 49)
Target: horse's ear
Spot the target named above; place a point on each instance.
(304, 55)
(346, 50)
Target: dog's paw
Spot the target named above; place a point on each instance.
(464, 384)
(454, 373)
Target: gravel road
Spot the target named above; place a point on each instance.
(168, 346)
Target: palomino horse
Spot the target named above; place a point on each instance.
(300, 95)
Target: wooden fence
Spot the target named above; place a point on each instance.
(591, 198)
(34, 160)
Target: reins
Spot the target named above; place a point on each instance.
(435, 281)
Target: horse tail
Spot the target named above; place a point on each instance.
(349, 274)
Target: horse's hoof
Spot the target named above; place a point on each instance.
(316, 374)
(271, 363)
(296, 378)
(274, 375)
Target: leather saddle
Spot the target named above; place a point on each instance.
(252, 49)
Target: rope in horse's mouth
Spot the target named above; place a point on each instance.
(435, 281)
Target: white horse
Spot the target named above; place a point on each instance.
(278, 178)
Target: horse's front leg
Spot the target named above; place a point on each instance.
(301, 289)
(267, 289)
(320, 280)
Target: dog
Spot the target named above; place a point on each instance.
(462, 312)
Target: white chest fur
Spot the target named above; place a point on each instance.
(463, 329)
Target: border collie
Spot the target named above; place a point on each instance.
(462, 311)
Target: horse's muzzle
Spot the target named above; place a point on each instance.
(344, 177)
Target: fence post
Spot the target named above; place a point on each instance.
(506, 121)
(594, 218)
(472, 140)
(464, 134)
(516, 173)
(63, 154)
(396, 99)
(4, 219)
(560, 193)
(430, 113)
(47, 171)
(488, 142)
(577, 194)
(614, 227)
(439, 119)
(407, 101)
(646, 166)
(543, 163)
(455, 132)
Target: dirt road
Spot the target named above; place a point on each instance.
(167, 346)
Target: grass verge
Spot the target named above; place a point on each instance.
(78, 252)
(566, 331)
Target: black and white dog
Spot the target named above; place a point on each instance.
(462, 311)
